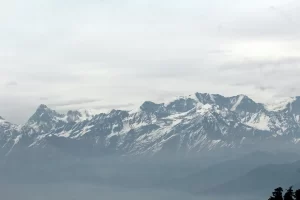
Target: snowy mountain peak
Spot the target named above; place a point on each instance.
(44, 114)
(44, 120)
(181, 104)
(280, 104)
(245, 104)
(2, 121)
(42, 107)
(236, 102)
(192, 123)
(294, 106)
(79, 115)
(74, 116)
(206, 98)
(121, 113)
(149, 106)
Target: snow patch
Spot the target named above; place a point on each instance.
(16, 141)
(237, 103)
(85, 130)
(212, 98)
(280, 104)
(260, 122)
(296, 140)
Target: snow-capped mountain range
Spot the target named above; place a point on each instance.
(191, 124)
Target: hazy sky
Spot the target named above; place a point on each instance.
(105, 54)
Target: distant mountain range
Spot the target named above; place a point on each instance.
(257, 172)
(187, 125)
(261, 179)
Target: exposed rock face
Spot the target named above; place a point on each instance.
(199, 122)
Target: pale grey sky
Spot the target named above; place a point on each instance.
(115, 54)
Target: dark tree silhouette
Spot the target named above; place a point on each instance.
(289, 195)
(297, 195)
(277, 194)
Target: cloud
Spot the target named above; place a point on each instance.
(11, 84)
(72, 54)
(249, 63)
(76, 102)
(44, 98)
(219, 51)
(277, 76)
(115, 106)
(51, 77)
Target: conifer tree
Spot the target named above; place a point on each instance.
(289, 195)
(277, 194)
(297, 195)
